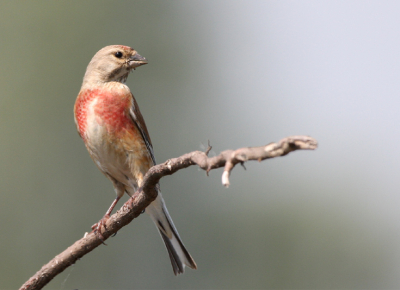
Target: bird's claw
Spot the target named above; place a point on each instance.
(98, 226)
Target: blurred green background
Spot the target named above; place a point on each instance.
(237, 73)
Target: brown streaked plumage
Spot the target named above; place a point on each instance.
(110, 123)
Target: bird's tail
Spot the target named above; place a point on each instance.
(177, 252)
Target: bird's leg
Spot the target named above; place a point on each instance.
(102, 223)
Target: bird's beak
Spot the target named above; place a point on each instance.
(137, 60)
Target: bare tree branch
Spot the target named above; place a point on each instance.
(147, 193)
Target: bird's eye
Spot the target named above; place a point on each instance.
(118, 54)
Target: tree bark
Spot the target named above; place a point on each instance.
(147, 193)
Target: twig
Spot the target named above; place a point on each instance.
(147, 193)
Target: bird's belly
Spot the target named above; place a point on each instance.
(122, 155)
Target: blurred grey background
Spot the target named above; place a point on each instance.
(237, 73)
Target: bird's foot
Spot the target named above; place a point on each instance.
(98, 226)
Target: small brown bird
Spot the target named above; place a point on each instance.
(110, 123)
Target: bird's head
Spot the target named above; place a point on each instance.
(112, 63)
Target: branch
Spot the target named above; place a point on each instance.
(147, 193)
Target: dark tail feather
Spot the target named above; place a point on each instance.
(177, 252)
(176, 263)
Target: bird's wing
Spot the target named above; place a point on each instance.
(137, 118)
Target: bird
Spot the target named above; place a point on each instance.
(114, 132)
